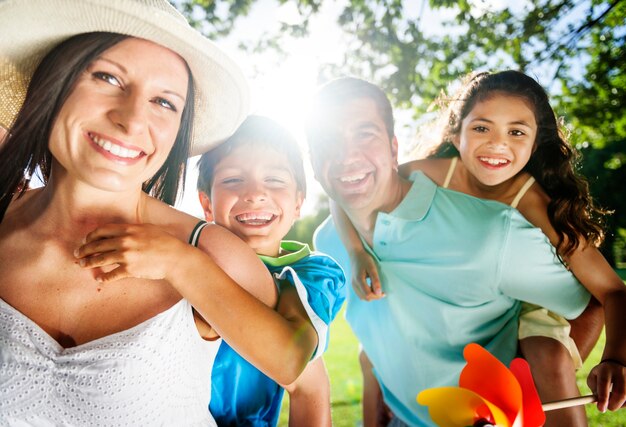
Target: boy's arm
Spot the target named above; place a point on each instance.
(215, 283)
(365, 279)
(309, 397)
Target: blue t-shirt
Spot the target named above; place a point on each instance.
(454, 269)
(241, 395)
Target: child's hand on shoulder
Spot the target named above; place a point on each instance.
(142, 251)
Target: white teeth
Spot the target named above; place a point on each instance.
(352, 178)
(115, 149)
(492, 161)
(255, 218)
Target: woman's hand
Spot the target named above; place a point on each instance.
(143, 251)
(607, 381)
(365, 280)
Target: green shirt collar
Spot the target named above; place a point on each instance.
(295, 251)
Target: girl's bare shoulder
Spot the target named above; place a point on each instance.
(535, 197)
(534, 207)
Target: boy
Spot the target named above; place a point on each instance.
(254, 185)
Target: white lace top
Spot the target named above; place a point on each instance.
(156, 373)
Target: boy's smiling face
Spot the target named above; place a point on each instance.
(254, 194)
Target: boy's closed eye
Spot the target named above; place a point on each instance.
(278, 181)
(231, 180)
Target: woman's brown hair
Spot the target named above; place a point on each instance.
(25, 148)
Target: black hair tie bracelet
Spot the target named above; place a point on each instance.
(617, 362)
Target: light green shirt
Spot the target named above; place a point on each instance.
(454, 268)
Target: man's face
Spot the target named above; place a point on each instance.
(353, 157)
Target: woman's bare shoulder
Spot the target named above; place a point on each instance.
(175, 221)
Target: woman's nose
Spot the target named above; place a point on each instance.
(130, 115)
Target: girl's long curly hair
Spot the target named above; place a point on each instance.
(553, 163)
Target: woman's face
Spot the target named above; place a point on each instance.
(121, 119)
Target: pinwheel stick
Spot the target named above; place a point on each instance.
(568, 403)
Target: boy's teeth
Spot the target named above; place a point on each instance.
(352, 178)
(115, 149)
(255, 218)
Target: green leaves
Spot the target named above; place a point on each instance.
(576, 49)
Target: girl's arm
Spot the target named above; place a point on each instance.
(213, 282)
(365, 280)
(309, 397)
(435, 169)
(595, 274)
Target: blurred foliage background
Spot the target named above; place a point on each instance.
(575, 48)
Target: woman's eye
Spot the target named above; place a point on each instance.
(100, 75)
(517, 133)
(165, 104)
(480, 129)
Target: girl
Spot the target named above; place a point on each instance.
(511, 150)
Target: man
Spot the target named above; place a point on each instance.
(453, 267)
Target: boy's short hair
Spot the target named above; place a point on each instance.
(258, 131)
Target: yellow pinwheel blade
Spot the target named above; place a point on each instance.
(459, 407)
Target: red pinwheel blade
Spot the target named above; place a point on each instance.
(533, 412)
(492, 380)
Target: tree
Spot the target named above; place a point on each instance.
(574, 47)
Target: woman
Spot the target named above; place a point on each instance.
(96, 317)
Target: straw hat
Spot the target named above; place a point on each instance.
(31, 28)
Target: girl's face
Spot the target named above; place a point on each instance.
(120, 121)
(497, 138)
(255, 195)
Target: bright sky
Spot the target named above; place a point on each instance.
(282, 87)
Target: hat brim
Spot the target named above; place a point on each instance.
(30, 29)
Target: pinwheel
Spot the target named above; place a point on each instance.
(489, 394)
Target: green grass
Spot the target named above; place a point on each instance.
(597, 419)
(343, 369)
